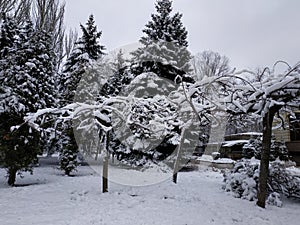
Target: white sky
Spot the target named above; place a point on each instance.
(251, 33)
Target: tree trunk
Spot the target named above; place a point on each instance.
(105, 166)
(12, 172)
(265, 159)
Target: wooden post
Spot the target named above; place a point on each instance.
(105, 165)
(178, 157)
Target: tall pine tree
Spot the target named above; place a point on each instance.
(86, 52)
(164, 46)
(26, 86)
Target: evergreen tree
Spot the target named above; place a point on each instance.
(26, 83)
(8, 31)
(69, 154)
(18, 148)
(90, 39)
(86, 52)
(121, 76)
(164, 46)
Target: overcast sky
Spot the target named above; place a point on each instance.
(251, 33)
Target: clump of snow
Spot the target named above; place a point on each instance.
(235, 142)
(209, 158)
(224, 160)
(215, 155)
(274, 199)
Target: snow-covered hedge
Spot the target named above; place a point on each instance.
(242, 181)
(254, 147)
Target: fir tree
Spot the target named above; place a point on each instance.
(121, 76)
(90, 39)
(69, 154)
(26, 86)
(8, 32)
(164, 46)
(86, 52)
(18, 148)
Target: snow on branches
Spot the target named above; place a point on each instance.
(243, 92)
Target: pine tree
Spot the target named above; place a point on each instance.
(90, 39)
(164, 46)
(8, 31)
(21, 92)
(86, 52)
(18, 148)
(69, 154)
(121, 76)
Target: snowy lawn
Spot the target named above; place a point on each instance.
(50, 198)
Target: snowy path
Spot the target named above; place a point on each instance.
(197, 199)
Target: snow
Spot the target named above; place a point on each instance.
(295, 171)
(235, 142)
(250, 133)
(209, 158)
(48, 197)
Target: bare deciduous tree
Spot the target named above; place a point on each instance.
(7, 5)
(19, 9)
(70, 40)
(48, 15)
(209, 63)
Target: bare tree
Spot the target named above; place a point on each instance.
(48, 15)
(19, 9)
(70, 40)
(209, 63)
(7, 5)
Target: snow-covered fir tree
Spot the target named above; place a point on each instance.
(27, 84)
(120, 78)
(8, 31)
(164, 46)
(86, 52)
(69, 155)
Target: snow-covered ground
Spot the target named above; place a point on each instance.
(50, 198)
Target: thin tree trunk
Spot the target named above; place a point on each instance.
(265, 159)
(12, 172)
(105, 166)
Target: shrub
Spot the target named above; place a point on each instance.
(242, 181)
(254, 147)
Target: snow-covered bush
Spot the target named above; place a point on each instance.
(274, 199)
(254, 146)
(242, 181)
(282, 181)
(279, 150)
